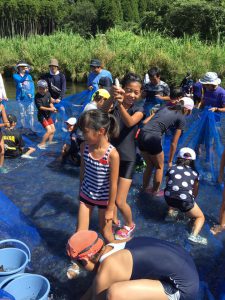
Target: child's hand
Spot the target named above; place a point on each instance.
(57, 100)
(109, 214)
(118, 94)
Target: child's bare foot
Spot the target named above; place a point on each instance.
(217, 229)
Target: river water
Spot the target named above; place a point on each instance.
(72, 88)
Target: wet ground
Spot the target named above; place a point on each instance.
(42, 206)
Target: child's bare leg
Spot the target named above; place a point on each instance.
(196, 214)
(2, 151)
(222, 210)
(46, 135)
(31, 150)
(84, 216)
(121, 200)
(105, 226)
(218, 228)
(52, 133)
(148, 170)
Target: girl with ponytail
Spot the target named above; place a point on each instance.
(99, 170)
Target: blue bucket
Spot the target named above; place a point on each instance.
(27, 286)
(13, 260)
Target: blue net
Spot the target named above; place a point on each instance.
(39, 205)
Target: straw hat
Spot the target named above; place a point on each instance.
(54, 62)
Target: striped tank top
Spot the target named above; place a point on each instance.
(96, 183)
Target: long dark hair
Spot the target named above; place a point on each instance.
(186, 163)
(96, 119)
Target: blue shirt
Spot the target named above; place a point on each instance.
(215, 98)
(24, 87)
(93, 78)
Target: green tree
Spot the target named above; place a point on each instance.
(130, 10)
(194, 17)
(82, 18)
(109, 14)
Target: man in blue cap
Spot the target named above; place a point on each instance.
(97, 72)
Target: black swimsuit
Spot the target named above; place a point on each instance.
(160, 260)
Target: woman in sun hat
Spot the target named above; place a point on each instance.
(135, 269)
(181, 191)
(213, 94)
(150, 140)
(25, 94)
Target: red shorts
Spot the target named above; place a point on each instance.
(47, 122)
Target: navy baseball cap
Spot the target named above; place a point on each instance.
(95, 63)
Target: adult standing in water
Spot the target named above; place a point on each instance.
(150, 140)
(25, 94)
(56, 86)
(143, 268)
(97, 72)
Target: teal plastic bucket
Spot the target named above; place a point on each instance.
(13, 259)
(27, 286)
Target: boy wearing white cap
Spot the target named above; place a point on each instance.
(181, 191)
(71, 150)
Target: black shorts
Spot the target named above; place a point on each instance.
(127, 169)
(182, 205)
(149, 143)
(92, 204)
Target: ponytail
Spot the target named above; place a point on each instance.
(96, 119)
(114, 129)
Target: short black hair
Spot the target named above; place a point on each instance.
(154, 71)
(11, 118)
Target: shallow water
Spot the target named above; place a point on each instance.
(47, 195)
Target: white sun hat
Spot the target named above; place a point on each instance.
(210, 78)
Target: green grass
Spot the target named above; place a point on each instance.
(119, 51)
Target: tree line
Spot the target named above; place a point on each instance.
(88, 17)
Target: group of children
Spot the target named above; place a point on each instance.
(104, 143)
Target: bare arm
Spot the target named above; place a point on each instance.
(148, 118)
(4, 117)
(195, 188)
(114, 162)
(129, 120)
(82, 146)
(47, 108)
(165, 98)
(173, 146)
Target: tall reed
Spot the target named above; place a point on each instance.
(120, 51)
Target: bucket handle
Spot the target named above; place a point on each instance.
(18, 242)
(10, 278)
